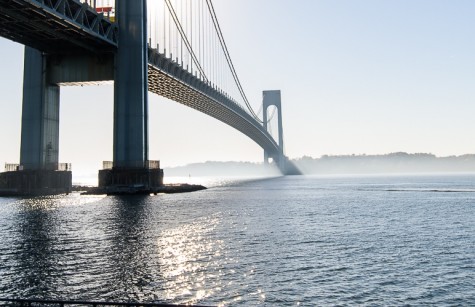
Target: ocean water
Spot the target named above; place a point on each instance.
(286, 241)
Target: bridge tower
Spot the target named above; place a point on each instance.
(131, 166)
(39, 171)
(131, 86)
(272, 98)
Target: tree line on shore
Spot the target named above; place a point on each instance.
(398, 162)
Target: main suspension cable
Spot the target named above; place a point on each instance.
(185, 39)
(228, 59)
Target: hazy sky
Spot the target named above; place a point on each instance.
(356, 77)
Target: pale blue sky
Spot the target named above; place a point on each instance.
(356, 77)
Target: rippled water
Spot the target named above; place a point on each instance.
(281, 241)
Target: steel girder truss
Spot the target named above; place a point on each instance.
(168, 79)
(57, 26)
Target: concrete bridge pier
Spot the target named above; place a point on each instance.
(131, 167)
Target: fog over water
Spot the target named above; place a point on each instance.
(399, 162)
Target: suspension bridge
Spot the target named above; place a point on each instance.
(173, 48)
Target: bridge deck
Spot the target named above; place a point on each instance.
(70, 27)
(168, 79)
(57, 26)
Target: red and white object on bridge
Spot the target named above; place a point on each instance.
(106, 7)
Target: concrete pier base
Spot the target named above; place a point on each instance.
(130, 181)
(35, 182)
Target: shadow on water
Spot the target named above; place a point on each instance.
(57, 250)
(131, 253)
(34, 265)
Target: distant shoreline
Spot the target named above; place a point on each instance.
(392, 163)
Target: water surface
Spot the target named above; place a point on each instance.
(381, 240)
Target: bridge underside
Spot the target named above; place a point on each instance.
(169, 80)
(57, 26)
(164, 85)
(68, 27)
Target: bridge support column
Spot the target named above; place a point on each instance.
(130, 164)
(40, 115)
(131, 86)
(272, 98)
(38, 170)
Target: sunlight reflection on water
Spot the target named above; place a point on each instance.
(187, 255)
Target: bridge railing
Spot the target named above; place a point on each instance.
(106, 7)
(12, 167)
(63, 166)
(163, 70)
(149, 164)
(152, 164)
(178, 71)
(107, 164)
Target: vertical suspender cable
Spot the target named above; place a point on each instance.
(170, 38)
(177, 48)
(186, 32)
(183, 36)
(164, 30)
(228, 59)
(208, 44)
(208, 53)
(199, 32)
(214, 57)
(181, 20)
(191, 30)
(149, 28)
